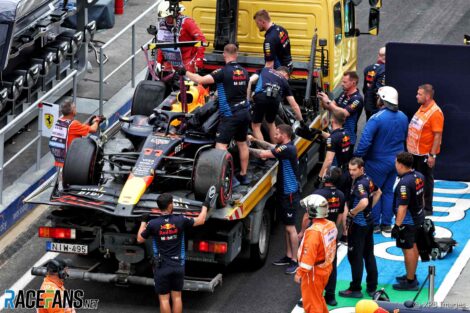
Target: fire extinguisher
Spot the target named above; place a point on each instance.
(118, 6)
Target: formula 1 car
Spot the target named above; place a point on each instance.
(166, 150)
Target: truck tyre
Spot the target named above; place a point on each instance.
(259, 251)
(82, 164)
(213, 167)
(147, 96)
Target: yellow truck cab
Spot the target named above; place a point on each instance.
(333, 21)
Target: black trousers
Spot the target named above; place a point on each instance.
(420, 164)
(360, 253)
(330, 287)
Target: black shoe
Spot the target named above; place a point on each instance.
(403, 278)
(386, 228)
(376, 229)
(292, 268)
(406, 285)
(344, 240)
(300, 303)
(348, 293)
(331, 300)
(243, 179)
(285, 260)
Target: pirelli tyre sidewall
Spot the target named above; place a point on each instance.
(214, 167)
(82, 165)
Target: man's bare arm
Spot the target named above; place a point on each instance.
(262, 144)
(262, 154)
(205, 80)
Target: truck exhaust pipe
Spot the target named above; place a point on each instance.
(192, 284)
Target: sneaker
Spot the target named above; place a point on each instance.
(292, 268)
(348, 293)
(406, 285)
(235, 182)
(403, 278)
(243, 179)
(331, 300)
(285, 260)
(386, 228)
(376, 229)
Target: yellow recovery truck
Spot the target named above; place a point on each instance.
(94, 216)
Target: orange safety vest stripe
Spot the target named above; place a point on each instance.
(414, 142)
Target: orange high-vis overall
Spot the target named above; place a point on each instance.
(316, 254)
(50, 285)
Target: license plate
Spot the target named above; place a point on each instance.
(66, 247)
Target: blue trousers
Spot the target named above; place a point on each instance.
(383, 174)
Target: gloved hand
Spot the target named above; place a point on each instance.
(145, 218)
(307, 133)
(211, 198)
(182, 71)
(317, 183)
(158, 67)
(397, 231)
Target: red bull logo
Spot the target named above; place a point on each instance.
(167, 226)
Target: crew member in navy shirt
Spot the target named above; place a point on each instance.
(271, 89)
(276, 46)
(350, 102)
(167, 234)
(232, 83)
(409, 210)
(364, 194)
(287, 187)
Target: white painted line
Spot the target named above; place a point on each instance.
(342, 253)
(453, 274)
(27, 277)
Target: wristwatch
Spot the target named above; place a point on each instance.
(433, 155)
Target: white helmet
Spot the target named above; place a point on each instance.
(389, 96)
(316, 206)
(164, 9)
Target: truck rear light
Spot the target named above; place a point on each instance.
(57, 233)
(211, 247)
(326, 87)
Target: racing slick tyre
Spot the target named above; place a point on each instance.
(147, 95)
(259, 251)
(82, 165)
(213, 167)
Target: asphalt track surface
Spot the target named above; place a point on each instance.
(268, 289)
